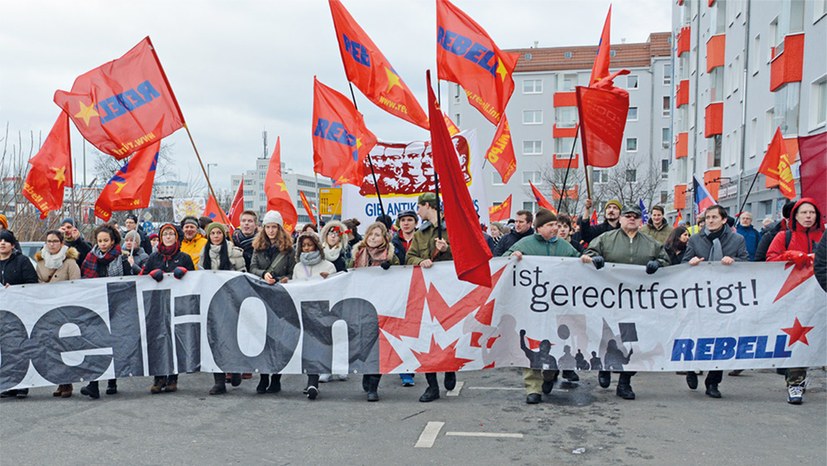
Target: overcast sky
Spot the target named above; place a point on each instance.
(241, 67)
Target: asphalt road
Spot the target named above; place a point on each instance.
(488, 422)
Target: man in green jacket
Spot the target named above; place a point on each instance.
(625, 246)
(427, 247)
(543, 242)
(657, 228)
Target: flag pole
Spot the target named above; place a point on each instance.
(370, 160)
(436, 177)
(744, 202)
(566, 177)
(203, 170)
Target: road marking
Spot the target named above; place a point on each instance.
(456, 390)
(483, 434)
(429, 434)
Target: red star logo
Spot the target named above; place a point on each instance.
(440, 359)
(800, 274)
(797, 333)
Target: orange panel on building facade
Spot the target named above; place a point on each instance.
(680, 197)
(683, 40)
(681, 145)
(714, 119)
(558, 132)
(563, 161)
(682, 93)
(570, 193)
(712, 181)
(786, 66)
(564, 99)
(715, 52)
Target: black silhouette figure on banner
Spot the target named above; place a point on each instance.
(580, 361)
(540, 359)
(595, 362)
(614, 357)
(567, 361)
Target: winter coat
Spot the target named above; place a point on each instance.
(341, 255)
(68, 270)
(399, 246)
(140, 257)
(264, 261)
(820, 263)
(536, 245)
(236, 256)
(157, 261)
(246, 244)
(658, 234)
(302, 272)
(801, 239)
(423, 245)
(17, 270)
(589, 232)
(751, 236)
(616, 246)
(194, 247)
(732, 245)
(766, 238)
(511, 239)
(81, 246)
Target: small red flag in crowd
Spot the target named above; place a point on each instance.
(51, 169)
(278, 197)
(118, 106)
(237, 207)
(341, 141)
(501, 153)
(541, 200)
(678, 220)
(307, 208)
(777, 165)
(502, 212)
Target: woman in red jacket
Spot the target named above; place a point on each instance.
(797, 245)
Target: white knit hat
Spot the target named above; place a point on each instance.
(272, 216)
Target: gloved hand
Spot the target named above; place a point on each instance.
(179, 272)
(799, 258)
(157, 275)
(385, 265)
(652, 266)
(598, 262)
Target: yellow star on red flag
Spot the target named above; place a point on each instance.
(86, 112)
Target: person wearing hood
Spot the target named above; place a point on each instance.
(374, 250)
(57, 262)
(715, 243)
(134, 252)
(768, 233)
(193, 241)
(657, 227)
(522, 229)
(273, 260)
(335, 239)
(797, 245)
(611, 220)
(545, 242)
(105, 260)
(219, 254)
(311, 265)
(168, 258)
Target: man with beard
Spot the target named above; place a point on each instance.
(611, 220)
(522, 229)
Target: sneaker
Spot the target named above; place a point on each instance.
(407, 380)
(312, 392)
(341, 377)
(533, 398)
(795, 394)
(324, 378)
(23, 393)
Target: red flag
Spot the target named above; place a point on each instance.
(307, 208)
(468, 246)
(600, 69)
(593, 219)
(813, 153)
(502, 212)
(501, 153)
(278, 197)
(678, 219)
(777, 165)
(453, 129)
(340, 139)
(371, 72)
(237, 207)
(541, 200)
(215, 212)
(602, 112)
(131, 187)
(51, 169)
(118, 105)
(466, 55)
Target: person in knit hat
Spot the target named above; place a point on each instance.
(611, 220)
(193, 241)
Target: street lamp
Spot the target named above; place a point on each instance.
(208, 168)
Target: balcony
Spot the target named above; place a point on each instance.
(682, 94)
(787, 61)
(680, 197)
(714, 119)
(681, 145)
(712, 181)
(684, 40)
(564, 99)
(566, 130)
(570, 193)
(715, 52)
(562, 161)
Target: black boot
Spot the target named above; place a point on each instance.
(220, 385)
(91, 390)
(275, 384)
(692, 380)
(112, 387)
(712, 390)
(624, 387)
(604, 378)
(432, 392)
(450, 380)
(158, 384)
(263, 383)
(235, 380)
(373, 386)
(172, 383)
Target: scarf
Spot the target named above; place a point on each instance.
(370, 257)
(717, 252)
(218, 254)
(310, 258)
(243, 241)
(168, 251)
(332, 253)
(54, 261)
(114, 268)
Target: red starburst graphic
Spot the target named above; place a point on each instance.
(797, 333)
(800, 273)
(439, 359)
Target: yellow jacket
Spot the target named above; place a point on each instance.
(193, 247)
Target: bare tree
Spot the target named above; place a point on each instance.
(555, 177)
(629, 181)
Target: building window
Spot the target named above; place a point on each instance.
(787, 108)
(632, 115)
(667, 74)
(631, 144)
(631, 176)
(563, 146)
(664, 197)
(457, 93)
(567, 54)
(565, 117)
(667, 105)
(612, 53)
(533, 176)
(755, 53)
(666, 137)
(457, 120)
(567, 82)
(818, 103)
(496, 179)
(600, 176)
(631, 81)
(532, 86)
(714, 149)
(532, 147)
(530, 206)
(531, 117)
(819, 9)
(664, 168)
(754, 144)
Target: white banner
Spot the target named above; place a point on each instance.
(187, 206)
(541, 312)
(404, 171)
